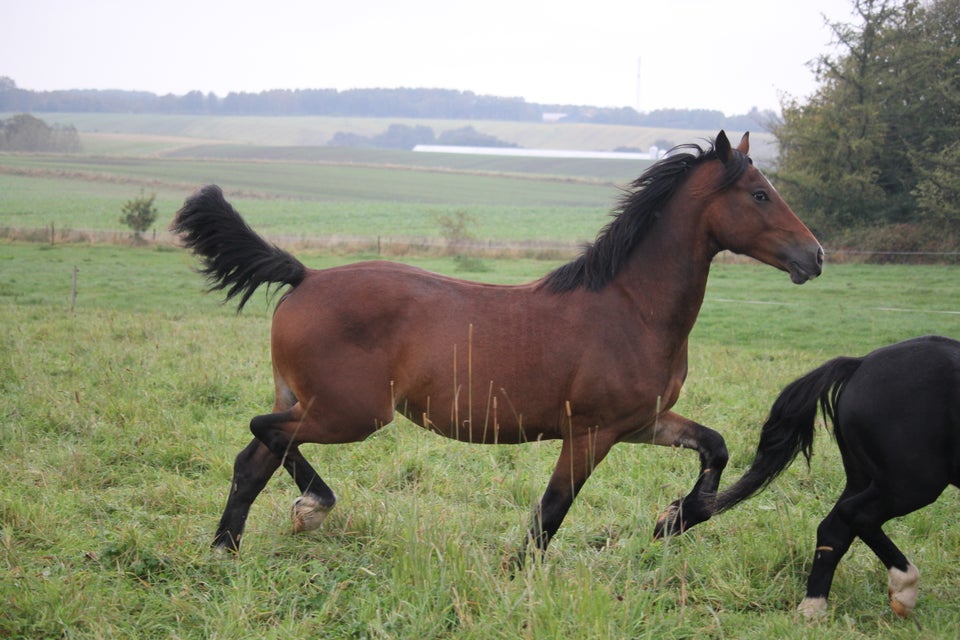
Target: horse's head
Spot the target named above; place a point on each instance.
(748, 216)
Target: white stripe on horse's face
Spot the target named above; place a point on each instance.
(764, 176)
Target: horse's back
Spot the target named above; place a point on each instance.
(379, 307)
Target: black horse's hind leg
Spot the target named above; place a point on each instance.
(861, 513)
(902, 575)
(252, 469)
(697, 506)
(310, 509)
(834, 536)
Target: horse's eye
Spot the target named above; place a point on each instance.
(760, 195)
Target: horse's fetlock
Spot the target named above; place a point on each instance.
(309, 511)
(902, 587)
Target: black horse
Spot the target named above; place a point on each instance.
(896, 419)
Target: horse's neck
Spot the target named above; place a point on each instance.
(667, 273)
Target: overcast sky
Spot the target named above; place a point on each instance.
(730, 55)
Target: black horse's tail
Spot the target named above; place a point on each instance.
(234, 256)
(789, 428)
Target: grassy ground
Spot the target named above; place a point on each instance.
(121, 418)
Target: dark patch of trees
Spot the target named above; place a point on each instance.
(393, 103)
(878, 144)
(24, 132)
(401, 136)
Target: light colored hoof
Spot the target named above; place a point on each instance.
(813, 608)
(308, 513)
(902, 588)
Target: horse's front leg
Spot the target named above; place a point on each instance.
(579, 456)
(674, 430)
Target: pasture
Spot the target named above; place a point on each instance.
(113, 133)
(122, 415)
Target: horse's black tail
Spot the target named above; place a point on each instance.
(234, 256)
(789, 428)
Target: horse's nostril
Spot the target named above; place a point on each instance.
(820, 257)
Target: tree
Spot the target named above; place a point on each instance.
(877, 143)
(937, 155)
(139, 214)
(456, 228)
(24, 132)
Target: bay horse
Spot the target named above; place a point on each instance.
(896, 419)
(592, 354)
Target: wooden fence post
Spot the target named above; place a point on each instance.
(73, 290)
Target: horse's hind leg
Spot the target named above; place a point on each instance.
(902, 576)
(252, 469)
(317, 499)
(861, 514)
(911, 494)
(834, 536)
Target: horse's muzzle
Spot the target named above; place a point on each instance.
(806, 268)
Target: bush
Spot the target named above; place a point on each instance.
(139, 214)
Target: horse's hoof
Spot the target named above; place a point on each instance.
(669, 523)
(902, 589)
(308, 513)
(224, 551)
(813, 608)
(513, 565)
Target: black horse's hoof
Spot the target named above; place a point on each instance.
(670, 522)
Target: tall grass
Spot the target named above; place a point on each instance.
(121, 419)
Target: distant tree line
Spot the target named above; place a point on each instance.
(395, 103)
(24, 132)
(401, 136)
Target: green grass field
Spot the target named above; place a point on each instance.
(122, 417)
(385, 195)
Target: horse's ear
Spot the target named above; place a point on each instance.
(744, 146)
(722, 147)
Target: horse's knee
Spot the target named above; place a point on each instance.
(902, 587)
(713, 450)
(721, 456)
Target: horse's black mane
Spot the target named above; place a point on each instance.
(639, 208)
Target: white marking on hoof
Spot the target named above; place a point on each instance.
(813, 608)
(902, 587)
(308, 513)
(222, 551)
